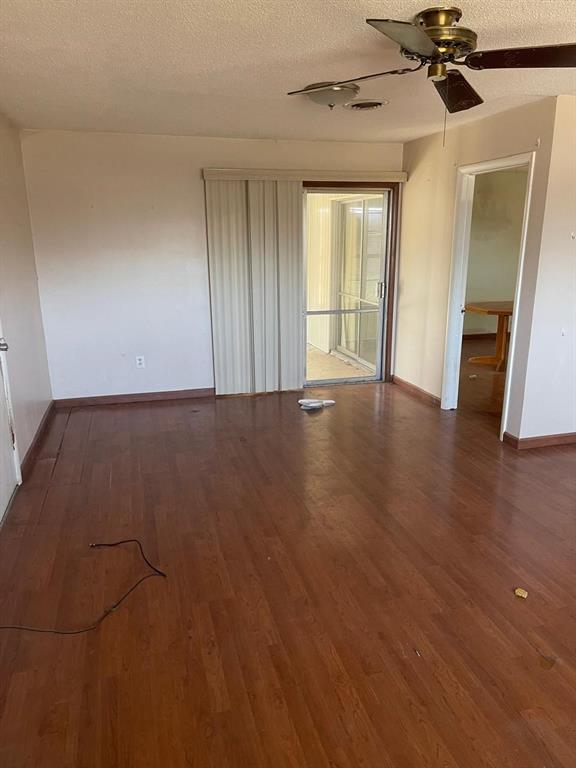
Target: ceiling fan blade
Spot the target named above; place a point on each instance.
(408, 36)
(362, 78)
(456, 92)
(533, 58)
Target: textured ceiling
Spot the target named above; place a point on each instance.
(222, 67)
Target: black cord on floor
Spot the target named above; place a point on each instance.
(133, 541)
(108, 611)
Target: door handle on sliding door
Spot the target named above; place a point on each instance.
(3, 344)
(381, 289)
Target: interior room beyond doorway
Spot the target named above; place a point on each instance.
(495, 243)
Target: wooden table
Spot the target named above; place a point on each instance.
(503, 310)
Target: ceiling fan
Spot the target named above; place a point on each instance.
(434, 40)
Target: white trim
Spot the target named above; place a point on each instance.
(497, 164)
(6, 394)
(5, 384)
(519, 277)
(396, 280)
(270, 174)
(460, 249)
(457, 294)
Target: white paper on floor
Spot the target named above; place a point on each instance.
(308, 404)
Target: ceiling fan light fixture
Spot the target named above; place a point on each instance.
(333, 95)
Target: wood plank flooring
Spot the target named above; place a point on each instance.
(339, 592)
(481, 387)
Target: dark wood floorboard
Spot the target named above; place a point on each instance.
(339, 593)
(481, 388)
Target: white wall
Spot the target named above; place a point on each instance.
(427, 230)
(119, 232)
(495, 240)
(19, 302)
(550, 396)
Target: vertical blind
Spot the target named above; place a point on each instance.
(256, 284)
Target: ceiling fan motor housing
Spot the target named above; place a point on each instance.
(439, 16)
(452, 42)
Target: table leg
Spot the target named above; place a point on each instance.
(501, 341)
(499, 357)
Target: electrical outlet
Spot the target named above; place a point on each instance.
(140, 361)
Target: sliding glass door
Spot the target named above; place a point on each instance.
(347, 237)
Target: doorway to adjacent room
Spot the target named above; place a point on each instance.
(487, 270)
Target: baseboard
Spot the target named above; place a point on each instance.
(300, 391)
(136, 397)
(415, 391)
(542, 441)
(30, 456)
(476, 336)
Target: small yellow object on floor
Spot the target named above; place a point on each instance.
(519, 592)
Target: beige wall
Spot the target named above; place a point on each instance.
(120, 240)
(19, 301)
(550, 396)
(119, 230)
(495, 239)
(427, 230)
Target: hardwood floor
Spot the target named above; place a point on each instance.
(481, 387)
(339, 593)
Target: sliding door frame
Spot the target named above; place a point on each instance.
(391, 258)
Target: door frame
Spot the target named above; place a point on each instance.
(387, 331)
(6, 395)
(465, 183)
(338, 206)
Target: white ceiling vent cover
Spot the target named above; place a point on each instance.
(365, 105)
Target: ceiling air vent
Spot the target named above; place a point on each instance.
(364, 105)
